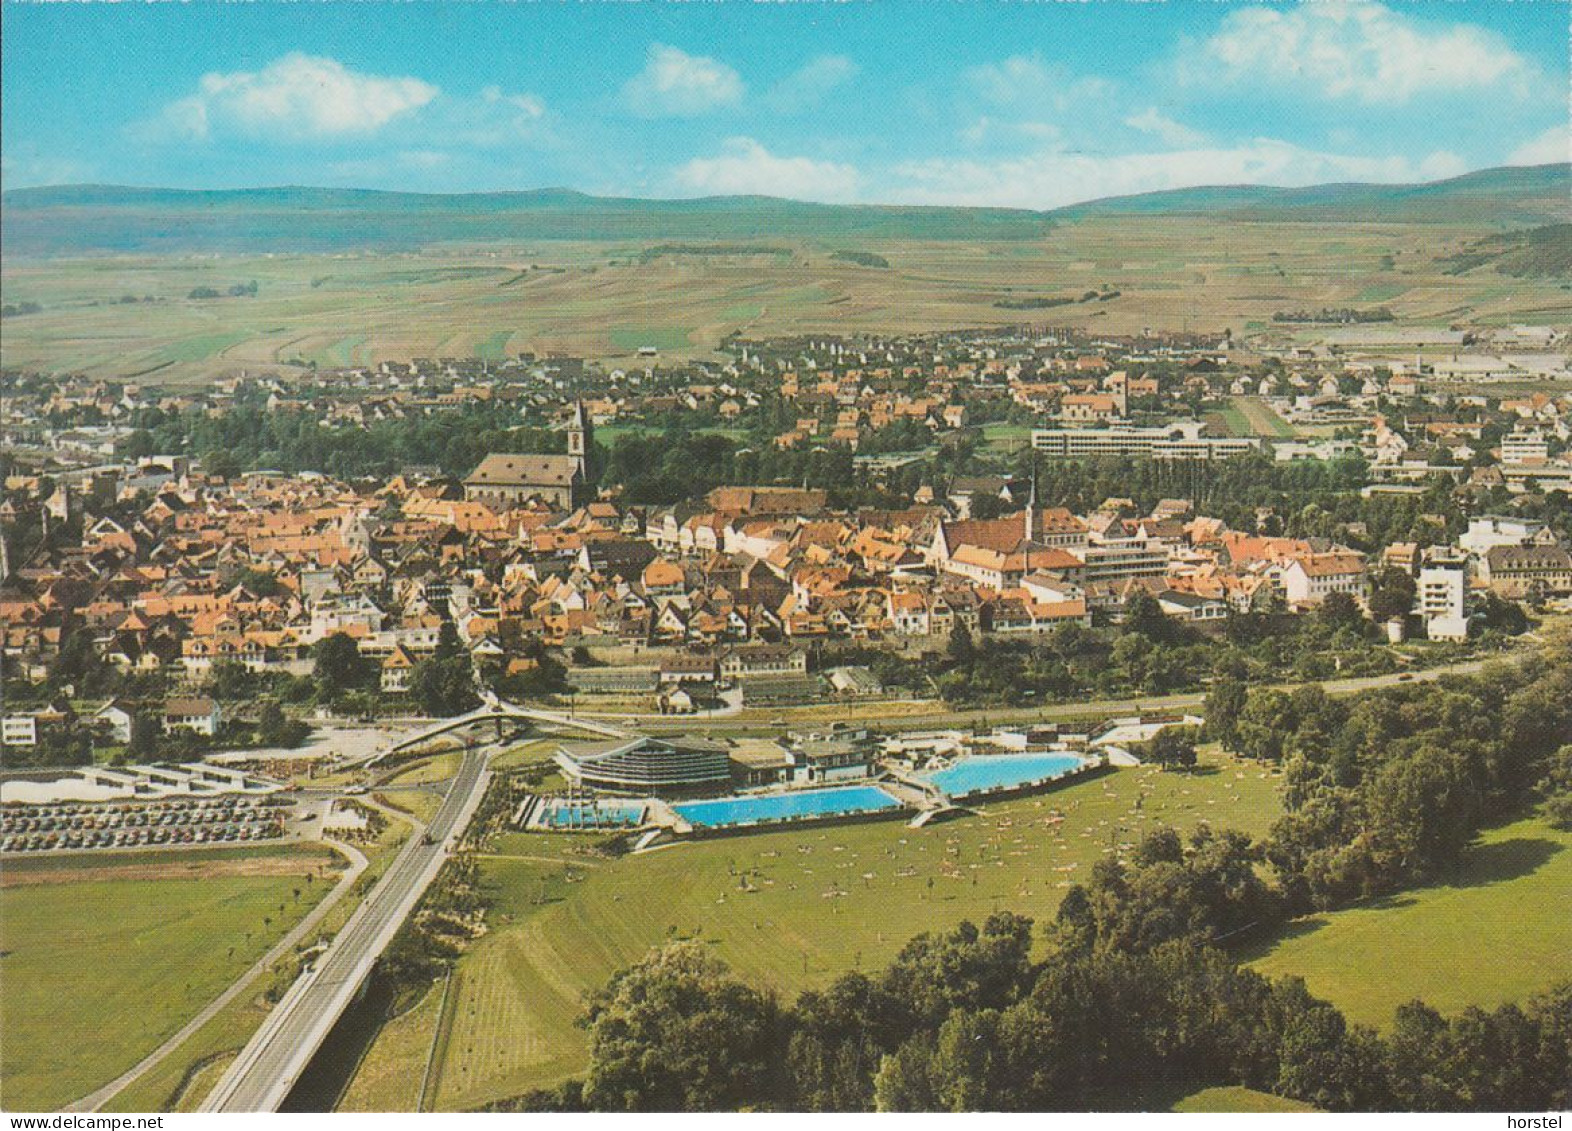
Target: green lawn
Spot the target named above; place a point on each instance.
(385, 1080)
(429, 770)
(1006, 437)
(421, 804)
(1499, 931)
(97, 972)
(788, 910)
(1215, 1100)
(526, 754)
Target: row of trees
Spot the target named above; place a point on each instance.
(1150, 653)
(965, 1021)
(1388, 788)
(442, 684)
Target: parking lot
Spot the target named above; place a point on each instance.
(140, 824)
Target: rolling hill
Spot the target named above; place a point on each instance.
(86, 219)
(1504, 197)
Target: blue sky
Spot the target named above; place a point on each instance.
(1027, 104)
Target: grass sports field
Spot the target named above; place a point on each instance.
(1498, 931)
(105, 957)
(608, 299)
(1251, 416)
(789, 909)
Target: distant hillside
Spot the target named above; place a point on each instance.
(78, 219)
(1508, 197)
(1538, 253)
(81, 219)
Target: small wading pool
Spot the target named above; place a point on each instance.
(600, 815)
(731, 812)
(992, 773)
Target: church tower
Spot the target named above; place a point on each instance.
(579, 437)
(1031, 505)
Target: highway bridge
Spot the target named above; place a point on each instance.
(268, 1067)
(271, 1063)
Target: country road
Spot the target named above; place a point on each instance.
(267, 1068)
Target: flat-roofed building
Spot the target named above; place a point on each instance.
(1179, 441)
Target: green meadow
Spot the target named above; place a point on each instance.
(1499, 930)
(100, 965)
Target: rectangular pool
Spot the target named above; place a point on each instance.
(732, 812)
(600, 815)
(994, 773)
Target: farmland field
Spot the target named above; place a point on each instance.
(789, 910)
(87, 995)
(1498, 931)
(608, 298)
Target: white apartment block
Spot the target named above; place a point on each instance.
(1440, 599)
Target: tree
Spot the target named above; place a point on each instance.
(444, 685)
(1144, 616)
(1224, 705)
(340, 667)
(1556, 788)
(1392, 595)
(1341, 611)
(1171, 748)
(678, 1033)
(274, 728)
(961, 650)
(1263, 724)
(231, 681)
(146, 730)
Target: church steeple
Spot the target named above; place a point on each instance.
(1031, 505)
(579, 436)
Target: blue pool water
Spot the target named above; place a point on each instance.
(726, 812)
(991, 773)
(602, 815)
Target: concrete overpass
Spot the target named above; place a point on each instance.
(494, 709)
(270, 1064)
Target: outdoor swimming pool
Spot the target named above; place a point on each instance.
(599, 815)
(733, 812)
(991, 773)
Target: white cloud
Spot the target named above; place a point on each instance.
(1056, 178)
(294, 96)
(678, 84)
(1358, 50)
(529, 105)
(1165, 129)
(747, 168)
(987, 129)
(808, 85)
(1550, 147)
(1026, 80)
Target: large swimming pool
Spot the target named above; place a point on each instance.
(733, 812)
(993, 773)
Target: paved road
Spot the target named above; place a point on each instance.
(357, 865)
(866, 714)
(267, 1068)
